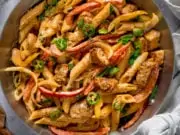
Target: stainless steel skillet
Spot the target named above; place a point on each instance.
(9, 37)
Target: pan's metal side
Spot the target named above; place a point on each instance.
(9, 37)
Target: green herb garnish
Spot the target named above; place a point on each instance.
(126, 38)
(102, 31)
(61, 43)
(70, 66)
(113, 71)
(87, 29)
(46, 101)
(154, 93)
(38, 65)
(117, 106)
(55, 114)
(111, 9)
(138, 32)
(134, 56)
(54, 2)
(93, 98)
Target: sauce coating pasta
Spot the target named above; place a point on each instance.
(83, 67)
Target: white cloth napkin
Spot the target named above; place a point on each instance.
(168, 122)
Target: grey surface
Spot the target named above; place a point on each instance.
(22, 129)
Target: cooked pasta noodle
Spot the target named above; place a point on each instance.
(82, 66)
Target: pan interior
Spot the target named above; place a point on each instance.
(10, 36)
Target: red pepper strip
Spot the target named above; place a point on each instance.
(60, 94)
(119, 54)
(117, 3)
(89, 43)
(101, 131)
(135, 118)
(27, 91)
(90, 87)
(84, 7)
(149, 87)
(81, 46)
(45, 56)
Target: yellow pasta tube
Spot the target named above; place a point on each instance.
(106, 111)
(129, 74)
(24, 32)
(48, 121)
(66, 105)
(102, 15)
(124, 87)
(97, 108)
(106, 47)
(42, 113)
(106, 122)
(79, 68)
(31, 14)
(132, 109)
(115, 119)
(107, 98)
(125, 17)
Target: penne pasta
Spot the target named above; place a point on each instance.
(84, 64)
(124, 88)
(115, 119)
(102, 15)
(125, 17)
(42, 113)
(106, 111)
(129, 74)
(79, 68)
(66, 105)
(97, 109)
(48, 121)
(31, 14)
(24, 32)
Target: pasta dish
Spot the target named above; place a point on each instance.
(86, 67)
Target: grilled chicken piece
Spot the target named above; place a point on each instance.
(129, 8)
(153, 38)
(74, 37)
(99, 57)
(158, 56)
(61, 73)
(105, 84)
(144, 43)
(81, 110)
(144, 73)
(87, 16)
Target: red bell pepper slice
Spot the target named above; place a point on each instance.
(90, 87)
(101, 131)
(61, 94)
(119, 54)
(84, 7)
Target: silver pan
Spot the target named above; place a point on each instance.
(10, 35)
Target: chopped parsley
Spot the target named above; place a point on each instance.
(126, 38)
(102, 31)
(61, 43)
(87, 29)
(55, 114)
(154, 93)
(111, 71)
(137, 45)
(38, 65)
